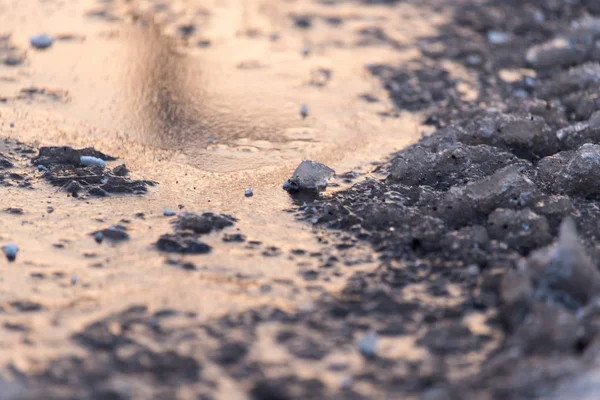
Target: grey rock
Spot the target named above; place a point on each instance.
(10, 251)
(309, 175)
(527, 136)
(563, 272)
(523, 230)
(506, 188)
(41, 42)
(557, 52)
(577, 134)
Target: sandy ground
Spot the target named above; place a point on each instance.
(453, 256)
(206, 113)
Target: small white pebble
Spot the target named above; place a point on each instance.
(473, 270)
(92, 161)
(304, 111)
(169, 213)
(368, 345)
(10, 251)
(249, 192)
(495, 37)
(41, 41)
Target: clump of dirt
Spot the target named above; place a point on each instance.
(205, 223)
(114, 234)
(10, 55)
(12, 154)
(72, 170)
(188, 229)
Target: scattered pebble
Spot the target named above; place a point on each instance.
(495, 37)
(74, 280)
(346, 382)
(12, 124)
(234, 237)
(92, 161)
(98, 237)
(368, 345)
(50, 210)
(169, 213)
(473, 270)
(249, 192)
(41, 41)
(211, 140)
(182, 243)
(43, 168)
(10, 251)
(304, 111)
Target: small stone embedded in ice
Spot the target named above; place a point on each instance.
(92, 161)
(309, 175)
(249, 192)
(169, 213)
(304, 111)
(10, 251)
(368, 345)
(41, 41)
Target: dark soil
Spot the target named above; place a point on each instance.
(64, 168)
(469, 204)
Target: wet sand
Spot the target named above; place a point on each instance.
(463, 136)
(203, 121)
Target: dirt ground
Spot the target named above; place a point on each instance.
(453, 256)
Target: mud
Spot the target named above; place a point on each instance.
(463, 266)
